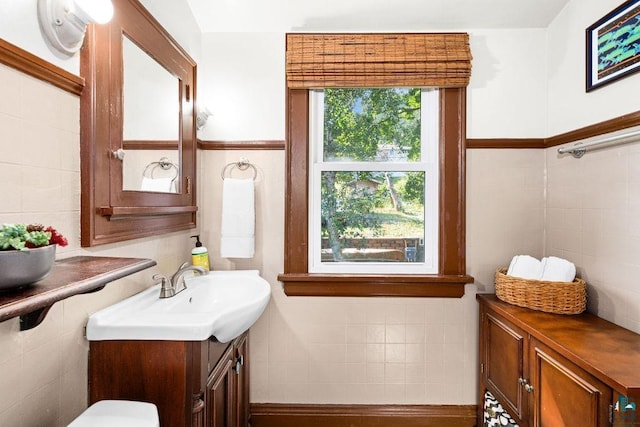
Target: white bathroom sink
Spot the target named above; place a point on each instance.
(222, 303)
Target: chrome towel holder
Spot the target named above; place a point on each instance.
(164, 163)
(577, 150)
(243, 164)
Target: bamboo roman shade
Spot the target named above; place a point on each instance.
(378, 60)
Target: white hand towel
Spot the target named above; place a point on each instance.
(238, 219)
(526, 267)
(556, 269)
(163, 185)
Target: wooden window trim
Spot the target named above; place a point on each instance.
(452, 277)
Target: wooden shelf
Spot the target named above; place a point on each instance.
(69, 277)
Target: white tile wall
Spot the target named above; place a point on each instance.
(380, 350)
(314, 350)
(593, 219)
(505, 209)
(43, 371)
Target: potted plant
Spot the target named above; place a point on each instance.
(27, 253)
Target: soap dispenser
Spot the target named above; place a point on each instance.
(199, 254)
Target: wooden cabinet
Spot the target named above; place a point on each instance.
(556, 370)
(242, 380)
(505, 353)
(193, 384)
(111, 210)
(220, 396)
(564, 394)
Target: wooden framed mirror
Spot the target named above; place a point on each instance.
(137, 130)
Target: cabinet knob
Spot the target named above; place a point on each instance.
(527, 387)
(118, 154)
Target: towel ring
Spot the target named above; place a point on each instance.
(243, 165)
(164, 163)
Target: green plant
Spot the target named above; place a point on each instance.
(22, 237)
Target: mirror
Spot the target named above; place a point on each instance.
(136, 120)
(151, 116)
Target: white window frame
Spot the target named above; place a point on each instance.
(429, 161)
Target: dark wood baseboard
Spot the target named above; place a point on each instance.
(295, 415)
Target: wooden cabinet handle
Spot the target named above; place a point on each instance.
(197, 411)
(527, 387)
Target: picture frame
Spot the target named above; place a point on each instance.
(613, 46)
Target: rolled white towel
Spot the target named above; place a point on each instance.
(556, 269)
(526, 267)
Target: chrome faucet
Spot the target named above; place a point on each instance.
(171, 287)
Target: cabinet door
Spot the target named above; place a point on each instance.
(242, 377)
(565, 395)
(220, 393)
(504, 365)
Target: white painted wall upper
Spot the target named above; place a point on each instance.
(176, 17)
(506, 97)
(249, 104)
(242, 82)
(570, 106)
(19, 26)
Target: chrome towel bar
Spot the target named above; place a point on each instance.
(577, 150)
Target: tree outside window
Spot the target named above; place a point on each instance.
(375, 153)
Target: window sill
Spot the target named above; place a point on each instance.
(348, 285)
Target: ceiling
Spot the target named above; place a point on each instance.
(371, 15)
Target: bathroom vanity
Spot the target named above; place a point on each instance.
(169, 351)
(193, 383)
(557, 370)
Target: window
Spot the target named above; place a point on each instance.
(374, 163)
(318, 63)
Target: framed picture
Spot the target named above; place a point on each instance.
(613, 45)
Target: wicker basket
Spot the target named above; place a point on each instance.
(552, 297)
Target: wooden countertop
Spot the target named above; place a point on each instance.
(604, 349)
(69, 277)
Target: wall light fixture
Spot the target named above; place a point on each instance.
(64, 21)
(202, 116)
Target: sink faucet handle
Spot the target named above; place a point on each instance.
(166, 288)
(161, 277)
(184, 264)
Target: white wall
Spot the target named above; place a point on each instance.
(19, 26)
(176, 17)
(507, 94)
(343, 350)
(569, 106)
(43, 371)
(40, 182)
(593, 204)
(375, 350)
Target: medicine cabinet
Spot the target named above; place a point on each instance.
(123, 145)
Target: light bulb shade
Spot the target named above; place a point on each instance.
(64, 21)
(96, 11)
